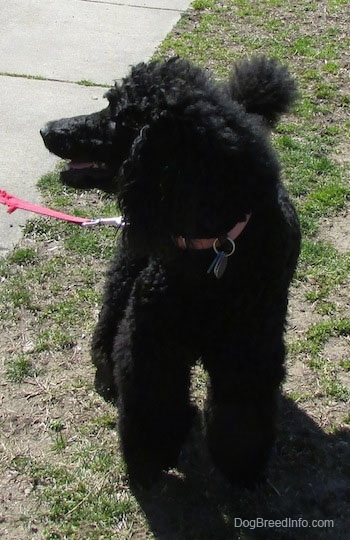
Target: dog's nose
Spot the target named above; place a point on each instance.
(51, 136)
(45, 130)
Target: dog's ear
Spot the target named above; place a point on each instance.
(264, 87)
(143, 177)
(164, 170)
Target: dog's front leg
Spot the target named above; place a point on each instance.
(153, 373)
(241, 411)
(121, 277)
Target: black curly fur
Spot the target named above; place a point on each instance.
(187, 156)
(264, 87)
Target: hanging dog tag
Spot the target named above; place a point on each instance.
(218, 256)
(220, 266)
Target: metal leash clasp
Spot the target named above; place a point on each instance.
(219, 264)
(116, 221)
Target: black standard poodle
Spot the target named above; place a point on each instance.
(203, 264)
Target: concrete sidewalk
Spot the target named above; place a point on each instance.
(61, 43)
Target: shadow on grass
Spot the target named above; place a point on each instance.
(308, 483)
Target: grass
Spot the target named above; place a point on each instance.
(22, 76)
(18, 368)
(82, 82)
(323, 268)
(312, 348)
(86, 499)
(50, 293)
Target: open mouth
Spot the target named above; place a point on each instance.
(89, 174)
(84, 165)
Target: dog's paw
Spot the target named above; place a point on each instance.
(108, 391)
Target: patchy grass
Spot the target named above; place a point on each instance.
(19, 368)
(61, 473)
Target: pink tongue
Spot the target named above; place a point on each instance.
(80, 165)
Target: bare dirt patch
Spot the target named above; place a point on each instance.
(336, 230)
(301, 313)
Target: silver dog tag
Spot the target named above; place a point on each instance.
(219, 255)
(220, 266)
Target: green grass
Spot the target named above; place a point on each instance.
(23, 256)
(85, 498)
(22, 76)
(18, 368)
(203, 4)
(51, 289)
(319, 333)
(86, 82)
(323, 268)
(311, 347)
(82, 82)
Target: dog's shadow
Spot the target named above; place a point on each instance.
(308, 490)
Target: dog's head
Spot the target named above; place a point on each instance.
(185, 156)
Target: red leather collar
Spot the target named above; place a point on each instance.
(207, 243)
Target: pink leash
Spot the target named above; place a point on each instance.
(14, 203)
(217, 266)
